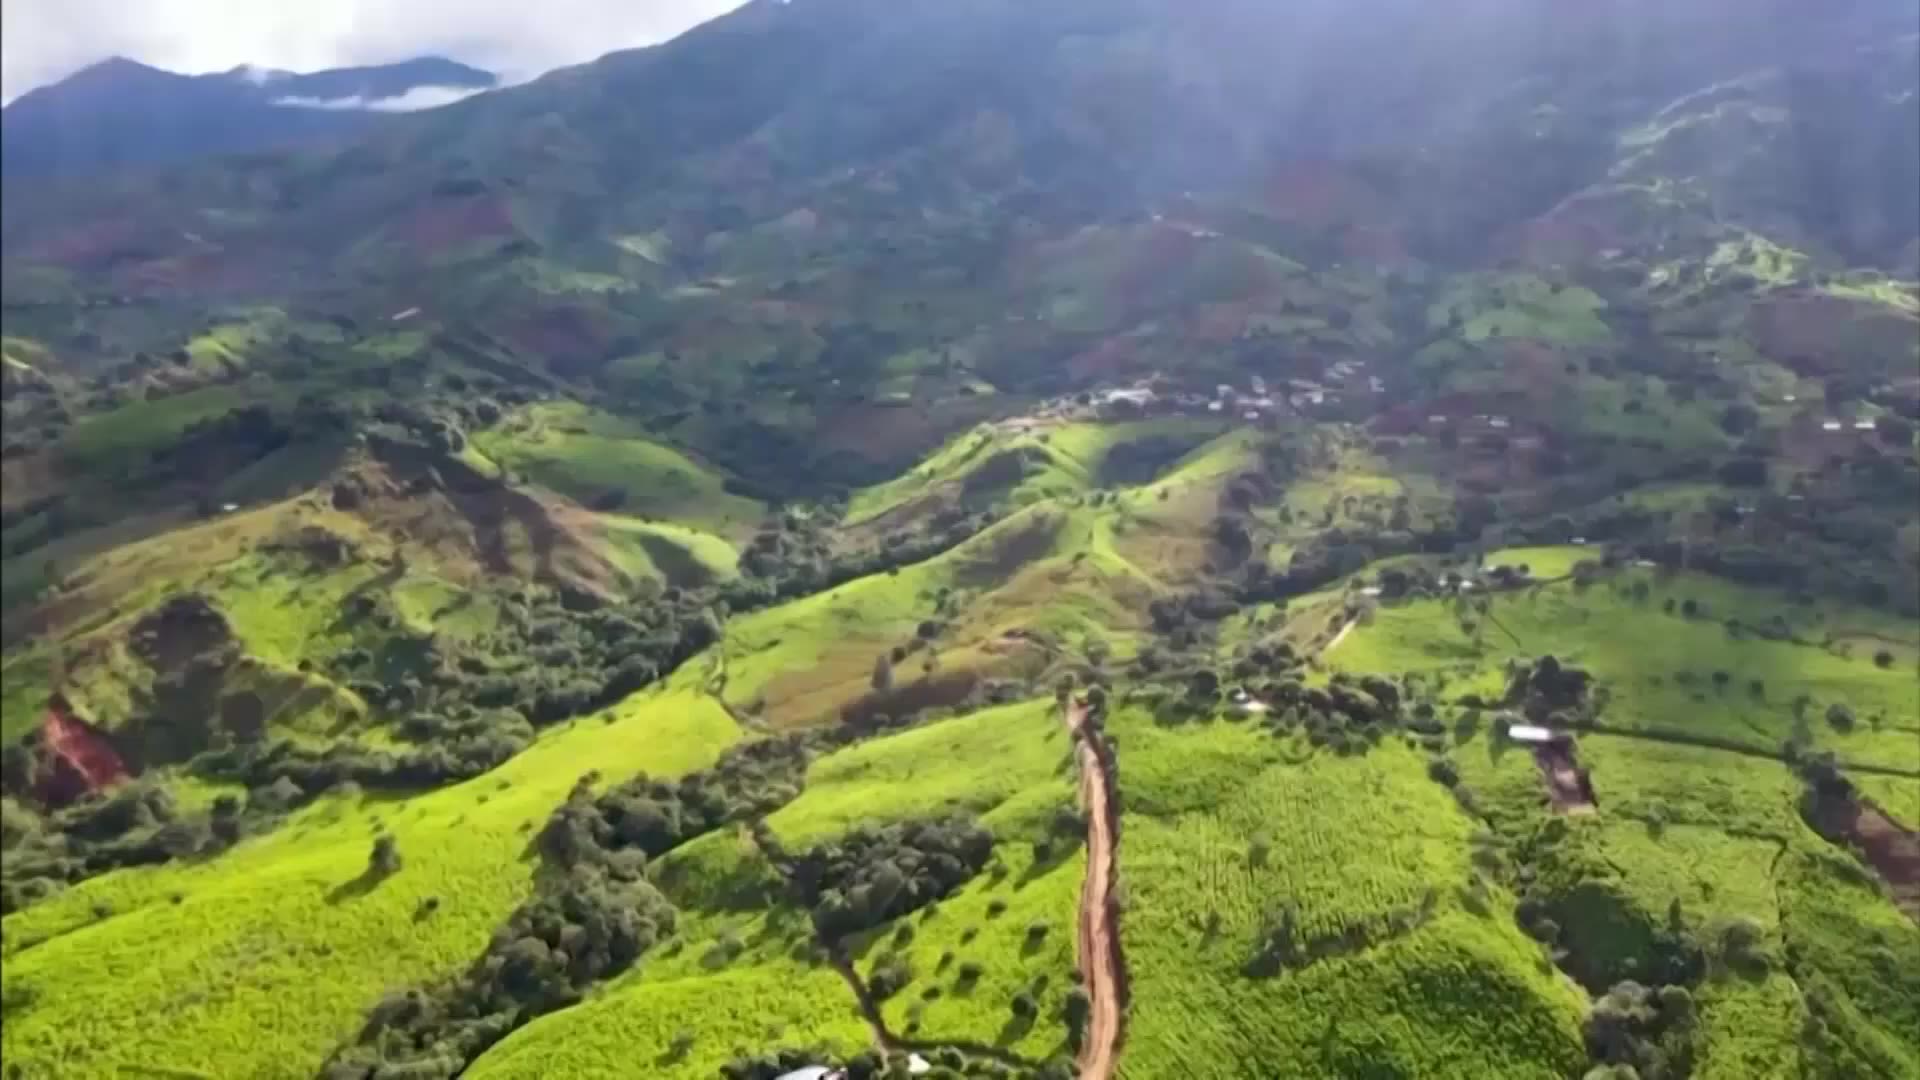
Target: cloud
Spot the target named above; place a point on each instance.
(42, 41)
(420, 97)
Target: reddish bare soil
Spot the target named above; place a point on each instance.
(79, 760)
(1889, 847)
(1101, 964)
(1567, 783)
(448, 223)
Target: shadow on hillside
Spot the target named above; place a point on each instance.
(369, 880)
(1015, 1029)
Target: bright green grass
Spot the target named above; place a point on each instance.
(1191, 836)
(671, 553)
(1004, 764)
(1010, 766)
(762, 999)
(1047, 569)
(1543, 562)
(555, 279)
(1011, 958)
(429, 605)
(584, 454)
(1855, 954)
(272, 955)
(1897, 796)
(1641, 653)
(1767, 261)
(23, 693)
(1348, 840)
(653, 246)
(1520, 306)
(1460, 997)
(1901, 295)
(1691, 785)
(1064, 459)
(1703, 827)
(817, 642)
(975, 764)
(132, 429)
(283, 612)
(232, 343)
(1748, 1029)
(24, 353)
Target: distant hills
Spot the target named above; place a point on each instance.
(120, 113)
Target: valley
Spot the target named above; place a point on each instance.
(1080, 541)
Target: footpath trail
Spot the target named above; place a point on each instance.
(1100, 964)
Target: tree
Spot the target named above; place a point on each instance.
(1077, 1010)
(384, 860)
(1840, 717)
(883, 673)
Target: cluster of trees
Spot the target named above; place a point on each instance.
(876, 874)
(593, 914)
(652, 817)
(792, 557)
(1284, 945)
(585, 923)
(945, 1063)
(134, 824)
(1548, 690)
(449, 750)
(557, 654)
(1637, 1032)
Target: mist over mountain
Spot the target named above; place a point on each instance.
(121, 114)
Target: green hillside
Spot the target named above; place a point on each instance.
(997, 540)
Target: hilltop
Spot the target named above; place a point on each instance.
(121, 114)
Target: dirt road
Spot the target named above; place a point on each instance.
(1340, 637)
(1100, 964)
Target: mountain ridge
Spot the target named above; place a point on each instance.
(119, 113)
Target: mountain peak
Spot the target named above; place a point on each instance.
(120, 112)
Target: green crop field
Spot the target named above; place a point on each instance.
(640, 572)
(265, 959)
(1666, 671)
(586, 455)
(1223, 828)
(731, 984)
(1008, 761)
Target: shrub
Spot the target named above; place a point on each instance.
(384, 859)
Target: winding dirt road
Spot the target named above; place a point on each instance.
(1100, 964)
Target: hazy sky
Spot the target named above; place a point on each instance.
(42, 41)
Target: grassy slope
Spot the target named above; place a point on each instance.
(1460, 996)
(770, 993)
(1010, 766)
(807, 658)
(272, 954)
(1062, 459)
(1644, 655)
(1721, 834)
(584, 454)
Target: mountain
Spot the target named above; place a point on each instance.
(1086, 539)
(120, 114)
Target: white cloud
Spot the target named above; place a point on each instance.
(42, 41)
(420, 97)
